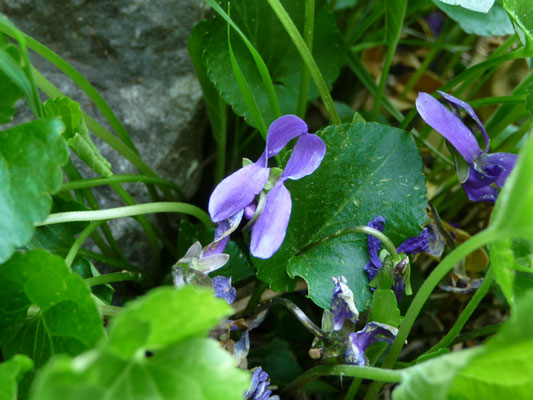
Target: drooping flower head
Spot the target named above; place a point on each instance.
(413, 245)
(483, 169)
(236, 194)
(358, 342)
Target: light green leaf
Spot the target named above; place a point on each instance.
(480, 6)
(369, 169)
(261, 26)
(513, 212)
(522, 14)
(502, 262)
(30, 159)
(77, 134)
(66, 320)
(155, 351)
(494, 23)
(10, 373)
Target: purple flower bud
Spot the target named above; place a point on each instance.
(238, 191)
(358, 342)
(342, 303)
(485, 170)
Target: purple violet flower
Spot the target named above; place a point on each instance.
(238, 191)
(342, 303)
(413, 245)
(258, 389)
(484, 169)
(359, 341)
(223, 289)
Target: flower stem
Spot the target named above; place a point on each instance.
(129, 211)
(357, 229)
(307, 58)
(309, 25)
(112, 277)
(377, 374)
(82, 237)
(423, 294)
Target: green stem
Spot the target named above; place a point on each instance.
(111, 261)
(465, 315)
(129, 211)
(309, 26)
(357, 229)
(489, 101)
(377, 374)
(112, 277)
(110, 311)
(423, 294)
(307, 58)
(123, 178)
(483, 331)
(82, 237)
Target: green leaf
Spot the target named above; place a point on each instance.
(480, 6)
(77, 134)
(261, 26)
(522, 14)
(66, 321)
(9, 89)
(513, 212)
(155, 351)
(494, 23)
(277, 359)
(385, 308)
(30, 159)
(502, 261)
(10, 373)
(369, 169)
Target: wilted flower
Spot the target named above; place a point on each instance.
(358, 342)
(483, 169)
(342, 303)
(259, 387)
(238, 191)
(413, 245)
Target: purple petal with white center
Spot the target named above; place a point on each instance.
(415, 244)
(460, 104)
(227, 226)
(216, 248)
(342, 303)
(305, 158)
(358, 342)
(259, 384)
(270, 228)
(249, 210)
(237, 191)
(448, 125)
(502, 162)
(478, 187)
(281, 132)
(223, 289)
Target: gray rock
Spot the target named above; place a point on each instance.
(134, 52)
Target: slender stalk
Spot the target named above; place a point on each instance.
(82, 237)
(307, 58)
(123, 178)
(423, 294)
(376, 374)
(111, 261)
(109, 311)
(112, 277)
(357, 229)
(128, 211)
(309, 26)
(465, 315)
(483, 331)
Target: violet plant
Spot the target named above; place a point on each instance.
(394, 229)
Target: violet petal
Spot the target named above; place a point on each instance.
(477, 187)
(305, 158)
(457, 103)
(270, 228)
(448, 125)
(358, 342)
(215, 248)
(400, 273)
(505, 163)
(281, 132)
(227, 226)
(237, 191)
(223, 289)
(242, 347)
(374, 244)
(416, 244)
(342, 303)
